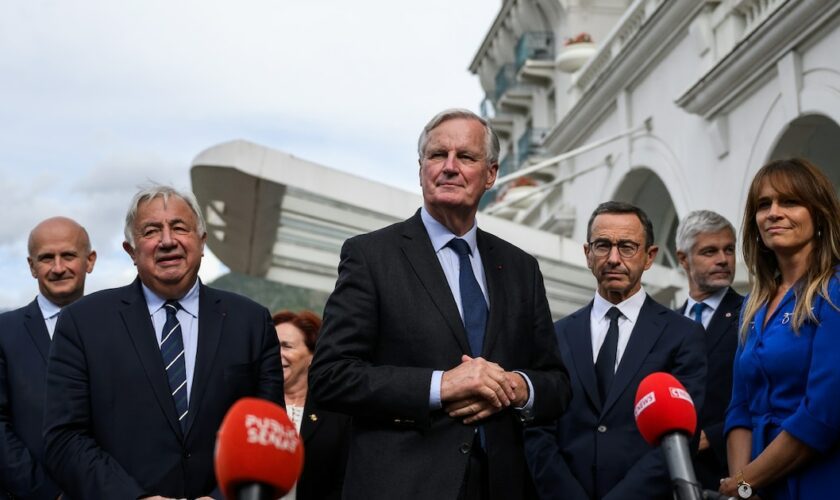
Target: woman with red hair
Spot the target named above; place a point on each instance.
(324, 434)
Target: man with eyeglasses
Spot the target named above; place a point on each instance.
(594, 450)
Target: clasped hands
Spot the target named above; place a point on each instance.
(478, 388)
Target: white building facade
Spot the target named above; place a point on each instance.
(669, 104)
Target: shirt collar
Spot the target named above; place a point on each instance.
(713, 301)
(48, 309)
(189, 302)
(440, 235)
(630, 307)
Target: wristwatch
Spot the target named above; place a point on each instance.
(744, 488)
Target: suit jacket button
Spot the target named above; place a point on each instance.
(187, 455)
(602, 428)
(465, 448)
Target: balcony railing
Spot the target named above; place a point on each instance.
(535, 45)
(529, 143)
(505, 79)
(506, 166)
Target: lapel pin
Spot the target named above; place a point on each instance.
(729, 315)
(313, 417)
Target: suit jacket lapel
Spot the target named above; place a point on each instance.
(138, 323)
(37, 328)
(211, 316)
(724, 318)
(579, 337)
(644, 335)
(418, 249)
(493, 276)
(309, 423)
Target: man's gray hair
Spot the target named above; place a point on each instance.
(491, 140)
(153, 191)
(697, 222)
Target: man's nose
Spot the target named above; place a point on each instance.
(166, 239)
(449, 164)
(614, 257)
(59, 266)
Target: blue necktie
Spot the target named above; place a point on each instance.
(472, 300)
(605, 363)
(172, 350)
(697, 311)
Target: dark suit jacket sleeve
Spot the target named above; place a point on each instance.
(20, 474)
(689, 367)
(77, 462)
(344, 376)
(552, 477)
(546, 371)
(271, 370)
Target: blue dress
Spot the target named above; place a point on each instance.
(785, 381)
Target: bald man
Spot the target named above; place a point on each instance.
(60, 256)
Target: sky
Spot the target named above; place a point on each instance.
(98, 97)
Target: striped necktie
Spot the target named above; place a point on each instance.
(172, 350)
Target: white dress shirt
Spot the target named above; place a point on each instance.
(600, 323)
(50, 312)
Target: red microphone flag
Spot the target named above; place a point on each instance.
(257, 443)
(663, 406)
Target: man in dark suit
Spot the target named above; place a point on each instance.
(706, 251)
(60, 257)
(595, 450)
(140, 377)
(437, 339)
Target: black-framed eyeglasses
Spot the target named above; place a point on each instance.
(602, 248)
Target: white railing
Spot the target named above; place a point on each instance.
(628, 27)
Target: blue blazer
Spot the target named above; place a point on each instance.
(110, 425)
(24, 347)
(595, 451)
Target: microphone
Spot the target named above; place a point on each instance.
(665, 414)
(259, 455)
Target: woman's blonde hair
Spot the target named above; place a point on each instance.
(798, 179)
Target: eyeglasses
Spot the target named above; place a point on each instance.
(602, 248)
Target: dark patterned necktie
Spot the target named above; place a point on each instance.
(472, 300)
(172, 350)
(605, 364)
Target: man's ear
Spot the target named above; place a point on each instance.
(651, 256)
(682, 258)
(32, 267)
(130, 251)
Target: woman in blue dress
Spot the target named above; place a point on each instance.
(783, 423)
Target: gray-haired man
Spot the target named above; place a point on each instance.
(141, 376)
(706, 251)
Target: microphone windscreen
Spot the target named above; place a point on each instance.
(257, 443)
(663, 406)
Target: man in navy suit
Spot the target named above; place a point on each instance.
(140, 377)
(706, 251)
(437, 339)
(60, 257)
(595, 451)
